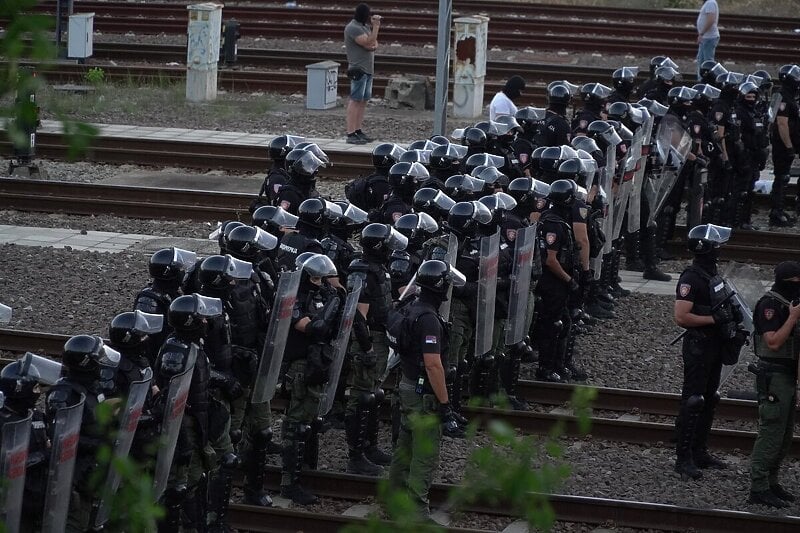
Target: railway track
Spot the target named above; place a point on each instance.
(624, 428)
(419, 28)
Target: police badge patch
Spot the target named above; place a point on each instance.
(783, 106)
(583, 124)
(523, 158)
(769, 313)
(718, 115)
(583, 211)
(697, 129)
(551, 238)
(684, 289)
(285, 205)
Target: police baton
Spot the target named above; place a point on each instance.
(720, 304)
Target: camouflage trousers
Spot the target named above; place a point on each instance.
(367, 371)
(461, 334)
(250, 418)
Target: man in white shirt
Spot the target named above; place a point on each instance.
(707, 32)
(503, 102)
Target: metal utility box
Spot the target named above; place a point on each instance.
(79, 38)
(322, 84)
(202, 51)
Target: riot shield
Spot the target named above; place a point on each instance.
(673, 144)
(128, 422)
(746, 282)
(5, 314)
(340, 349)
(607, 183)
(487, 285)
(64, 451)
(635, 199)
(450, 258)
(774, 105)
(13, 458)
(48, 371)
(177, 392)
(520, 284)
(269, 367)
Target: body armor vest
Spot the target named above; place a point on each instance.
(243, 313)
(566, 253)
(412, 362)
(381, 301)
(790, 349)
(292, 245)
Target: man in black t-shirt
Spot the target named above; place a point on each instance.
(785, 136)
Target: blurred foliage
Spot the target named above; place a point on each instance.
(513, 472)
(27, 38)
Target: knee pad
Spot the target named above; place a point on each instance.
(695, 403)
(366, 399)
(380, 394)
(229, 462)
(173, 496)
(236, 436)
(451, 374)
(263, 436)
(714, 400)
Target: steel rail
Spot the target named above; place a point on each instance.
(528, 422)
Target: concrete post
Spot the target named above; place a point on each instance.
(202, 52)
(469, 65)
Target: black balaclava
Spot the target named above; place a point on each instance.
(788, 289)
(514, 86)
(362, 14)
(708, 262)
(433, 298)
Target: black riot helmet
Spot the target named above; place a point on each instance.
(447, 157)
(603, 134)
(316, 266)
(170, 264)
(707, 237)
(381, 239)
(766, 81)
(187, 314)
(559, 95)
(131, 328)
(653, 107)
(594, 95)
(748, 88)
(728, 85)
(705, 69)
(462, 187)
(681, 96)
(312, 212)
(405, 176)
(464, 218)
(527, 192)
(385, 155)
(530, 119)
(433, 202)
(624, 78)
(437, 277)
(619, 111)
(569, 169)
(789, 76)
(705, 96)
(667, 76)
(417, 228)
(493, 179)
(86, 354)
(498, 204)
(19, 385)
(474, 139)
(221, 271)
(223, 231)
(587, 144)
(655, 62)
(562, 192)
(273, 219)
(439, 139)
(485, 159)
(305, 168)
(280, 146)
(248, 242)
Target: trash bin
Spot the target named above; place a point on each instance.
(322, 83)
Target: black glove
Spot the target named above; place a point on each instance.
(574, 286)
(723, 315)
(701, 161)
(318, 329)
(450, 425)
(727, 166)
(586, 277)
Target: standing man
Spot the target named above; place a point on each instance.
(503, 101)
(707, 33)
(360, 42)
(777, 344)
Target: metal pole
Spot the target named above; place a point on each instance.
(442, 66)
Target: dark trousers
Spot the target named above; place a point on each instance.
(702, 365)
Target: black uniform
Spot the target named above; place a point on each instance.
(584, 117)
(753, 159)
(555, 130)
(393, 208)
(276, 178)
(782, 156)
(294, 244)
(292, 194)
(155, 299)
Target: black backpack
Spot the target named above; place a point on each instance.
(359, 191)
(400, 322)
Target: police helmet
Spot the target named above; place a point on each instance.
(747, 88)
(655, 62)
(385, 155)
(624, 78)
(559, 94)
(220, 271)
(569, 169)
(87, 353)
(19, 385)
(766, 80)
(246, 242)
(618, 111)
(462, 187)
(493, 179)
(318, 265)
(382, 238)
(132, 328)
(667, 75)
(170, 264)
(407, 174)
(439, 139)
(587, 144)
(186, 313)
(437, 276)
(530, 118)
(434, 202)
(281, 145)
(463, 218)
(306, 166)
(603, 134)
(417, 228)
(562, 192)
(528, 191)
(681, 95)
(447, 156)
(789, 76)
(474, 138)
(595, 93)
(312, 212)
(706, 67)
(273, 219)
(707, 237)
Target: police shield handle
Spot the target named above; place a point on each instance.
(277, 332)
(129, 421)
(177, 394)
(340, 348)
(66, 433)
(13, 460)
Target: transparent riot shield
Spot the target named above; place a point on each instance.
(177, 392)
(774, 105)
(745, 281)
(635, 198)
(340, 344)
(487, 285)
(520, 284)
(621, 197)
(5, 314)
(13, 459)
(64, 451)
(128, 422)
(450, 258)
(269, 368)
(607, 183)
(673, 144)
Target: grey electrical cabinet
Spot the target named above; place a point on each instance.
(322, 84)
(79, 38)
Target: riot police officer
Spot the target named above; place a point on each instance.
(594, 96)
(557, 244)
(277, 176)
(623, 79)
(403, 178)
(445, 161)
(556, 130)
(312, 220)
(754, 155)
(370, 352)
(703, 306)
(302, 178)
(777, 345)
(422, 388)
(785, 135)
(88, 371)
(665, 78)
(313, 326)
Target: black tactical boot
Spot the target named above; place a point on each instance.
(782, 493)
(547, 370)
(293, 452)
(355, 423)
(174, 498)
(664, 230)
(633, 259)
(687, 426)
(575, 373)
(651, 270)
(372, 451)
(508, 374)
(255, 470)
(766, 497)
(219, 494)
(614, 280)
(311, 450)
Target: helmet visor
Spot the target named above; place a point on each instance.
(443, 202)
(317, 151)
(355, 215)
(147, 323)
(418, 171)
(667, 62)
(793, 73)
(284, 219)
(457, 279)
(540, 189)
(482, 215)
(456, 151)
(426, 223)
(207, 307)
(293, 140)
(264, 240)
(110, 357)
(571, 87)
(5, 314)
(505, 201)
(45, 371)
(717, 234)
(396, 240)
(611, 137)
(184, 258)
(319, 265)
(487, 160)
(237, 269)
(309, 163)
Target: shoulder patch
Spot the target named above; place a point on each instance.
(276, 188)
(783, 106)
(396, 215)
(718, 115)
(431, 339)
(551, 238)
(583, 211)
(697, 129)
(583, 124)
(684, 289)
(523, 158)
(285, 204)
(769, 313)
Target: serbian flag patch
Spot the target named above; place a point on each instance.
(431, 339)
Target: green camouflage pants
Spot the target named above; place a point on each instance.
(366, 373)
(417, 454)
(776, 411)
(250, 418)
(461, 334)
